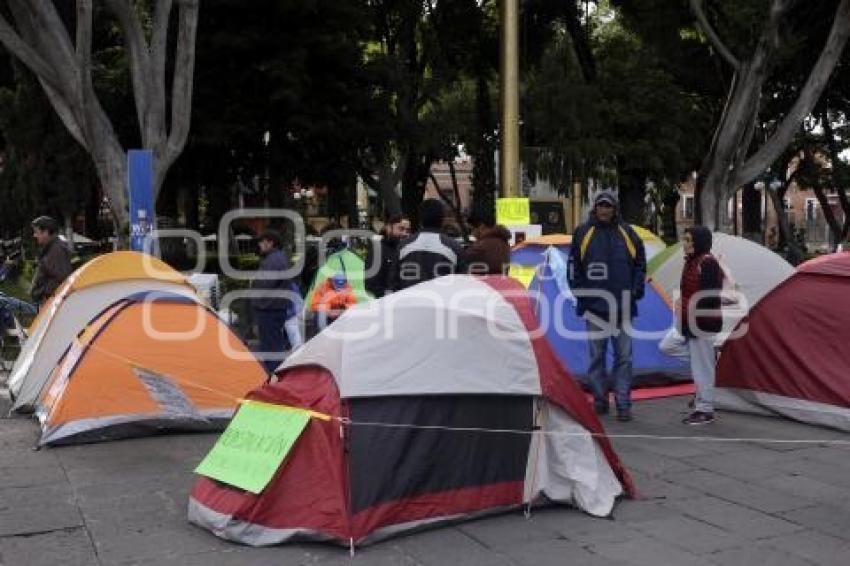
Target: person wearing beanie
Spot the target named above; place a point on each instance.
(606, 272)
(54, 260)
(429, 253)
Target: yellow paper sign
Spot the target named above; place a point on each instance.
(513, 211)
(523, 274)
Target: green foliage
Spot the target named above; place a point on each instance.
(635, 123)
(46, 171)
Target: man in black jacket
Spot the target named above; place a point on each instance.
(429, 253)
(54, 260)
(606, 273)
(378, 282)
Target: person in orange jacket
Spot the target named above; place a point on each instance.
(332, 298)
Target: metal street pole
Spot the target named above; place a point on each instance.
(509, 172)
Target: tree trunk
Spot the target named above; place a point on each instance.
(727, 165)
(632, 196)
(484, 166)
(668, 217)
(63, 67)
(750, 211)
(795, 254)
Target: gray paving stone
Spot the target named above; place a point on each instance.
(37, 509)
(635, 511)
(32, 476)
(168, 542)
(821, 549)
(758, 554)
(579, 527)
(661, 489)
(449, 546)
(808, 488)
(69, 547)
(755, 464)
(690, 535)
(835, 455)
(828, 473)
(737, 519)
(749, 494)
(651, 464)
(556, 553)
(507, 530)
(645, 552)
(828, 519)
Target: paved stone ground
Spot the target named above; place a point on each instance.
(702, 503)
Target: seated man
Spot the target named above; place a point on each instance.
(332, 298)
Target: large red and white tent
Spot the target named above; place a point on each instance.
(447, 403)
(791, 359)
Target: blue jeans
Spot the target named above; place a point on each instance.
(272, 338)
(600, 383)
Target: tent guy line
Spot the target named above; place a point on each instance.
(832, 442)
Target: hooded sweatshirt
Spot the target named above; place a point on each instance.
(491, 253)
(607, 266)
(701, 273)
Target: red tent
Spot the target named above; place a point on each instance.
(792, 358)
(406, 448)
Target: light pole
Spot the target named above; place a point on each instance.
(509, 173)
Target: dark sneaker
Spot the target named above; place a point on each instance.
(600, 408)
(699, 418)
(624, 415)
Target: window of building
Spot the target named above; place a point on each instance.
(811, 209)
(688, 207)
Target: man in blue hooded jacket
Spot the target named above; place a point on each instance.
(606, 272)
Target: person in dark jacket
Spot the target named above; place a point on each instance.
(699, 316)
(490, 254)
(606, 272)
(271, 305)
(378, 281)
(54, 260)
(428, 254)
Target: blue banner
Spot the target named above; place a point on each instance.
(140, 183)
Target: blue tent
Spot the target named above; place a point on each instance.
(565, 330)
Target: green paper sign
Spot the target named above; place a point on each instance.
(513, 211)
(254, 445)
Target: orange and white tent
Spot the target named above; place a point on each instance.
(152, 361)
(87, 292)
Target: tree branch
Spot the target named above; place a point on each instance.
(51, 29)
(809, 95)
(26, 54)
(140, 67)
(84, 37)
(159, 51)
(181, 95)
(713, 37)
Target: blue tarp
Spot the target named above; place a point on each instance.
(565, 330)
